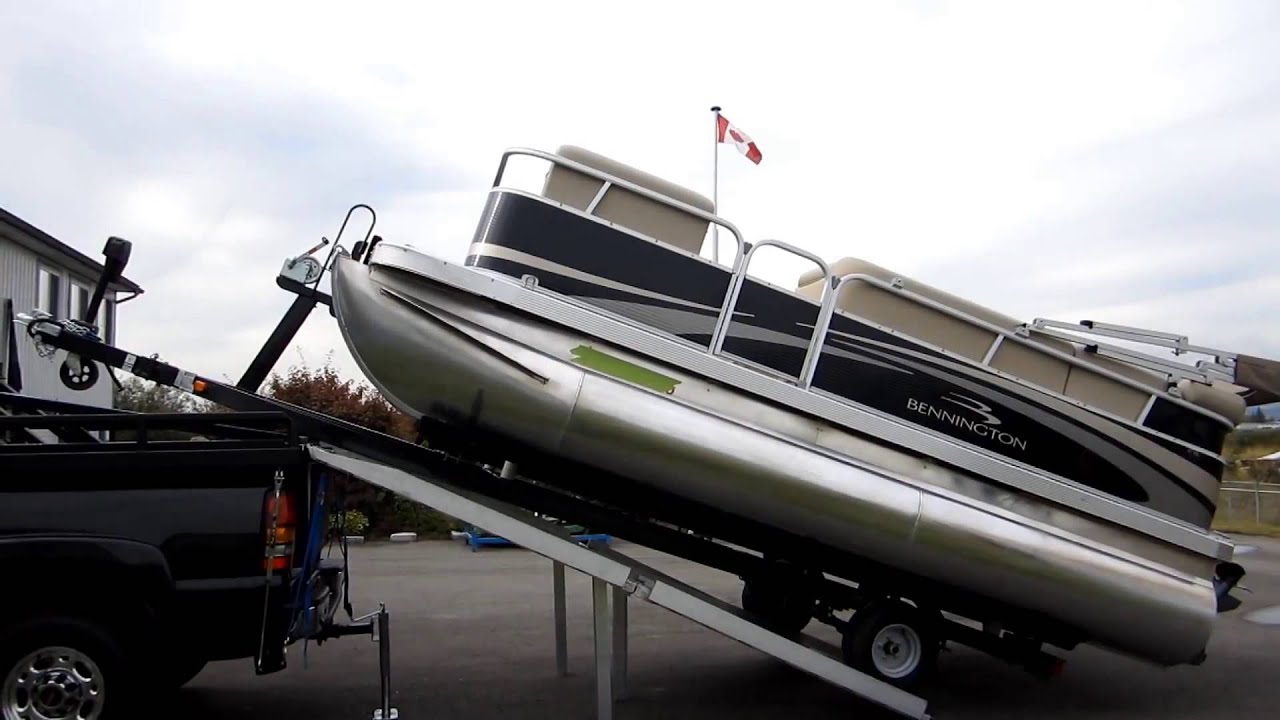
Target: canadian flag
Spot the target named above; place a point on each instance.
(730, 134)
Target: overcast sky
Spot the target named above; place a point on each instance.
(1069, 160)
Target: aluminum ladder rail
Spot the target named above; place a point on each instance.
(627, 577)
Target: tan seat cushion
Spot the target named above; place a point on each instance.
(888, 308)
(628, 209)
(1100, 391)
(1215, 399)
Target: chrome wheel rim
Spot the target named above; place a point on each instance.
(896, 650)
(53, 683)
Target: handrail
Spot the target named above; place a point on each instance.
(829, 309)
(620, 182)
(830, 291)
(735, 289)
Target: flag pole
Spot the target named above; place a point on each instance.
(715, 186)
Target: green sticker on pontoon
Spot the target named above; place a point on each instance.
(623, 370)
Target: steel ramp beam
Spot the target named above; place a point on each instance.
(631, 576)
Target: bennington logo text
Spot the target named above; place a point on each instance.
(985, 426)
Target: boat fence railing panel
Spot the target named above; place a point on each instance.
(735, 290)
(831, 291)
(610, 181)
(1020, 336)
(741, 260)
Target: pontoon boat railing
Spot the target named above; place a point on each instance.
(740, 261)
(833, 286)
(735, 289)
(612, 180)
(1020, 336)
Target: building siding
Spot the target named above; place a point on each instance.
(17, 275)
(18, 281)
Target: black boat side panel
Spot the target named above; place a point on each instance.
(1175, 420)
(681, 295)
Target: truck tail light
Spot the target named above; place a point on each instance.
(281, 529)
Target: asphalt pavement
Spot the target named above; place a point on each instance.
(472, 636)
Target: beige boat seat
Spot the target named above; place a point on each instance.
(673, 226)
(1217, 399)
(972, 340)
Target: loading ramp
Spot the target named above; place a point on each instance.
(616, 578)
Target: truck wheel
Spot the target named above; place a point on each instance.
(783, 607)
(60, 669)
(893, 642)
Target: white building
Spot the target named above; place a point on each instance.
(37, 271)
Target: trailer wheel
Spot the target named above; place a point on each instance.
(783, 607)
(893, 642)
(60, 668)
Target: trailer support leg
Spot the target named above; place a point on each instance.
(381, 629)
(619, 643)
(562, 642)
(604, 648)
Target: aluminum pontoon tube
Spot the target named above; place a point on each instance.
(428, 360)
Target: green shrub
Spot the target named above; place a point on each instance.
(408, 516)
(1251, 443)
(353, 523)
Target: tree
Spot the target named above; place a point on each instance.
(323, 390)
(1256, 415)
(138, 395)
(143, 396)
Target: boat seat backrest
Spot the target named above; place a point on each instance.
(1097, 390)
(1224, 402)
(973, 340)
(622, 207)
(889, 308)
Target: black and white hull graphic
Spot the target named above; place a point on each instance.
(681, 295)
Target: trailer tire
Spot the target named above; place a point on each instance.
(892, 641)
(63, 667)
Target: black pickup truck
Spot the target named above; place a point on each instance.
(138, 547)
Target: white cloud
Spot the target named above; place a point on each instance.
(1065, 160)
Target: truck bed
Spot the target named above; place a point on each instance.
(186, 537)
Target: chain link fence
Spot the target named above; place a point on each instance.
(1250, 493)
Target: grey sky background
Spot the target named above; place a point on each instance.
(1067, 160)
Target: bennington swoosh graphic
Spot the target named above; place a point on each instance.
(969, 403)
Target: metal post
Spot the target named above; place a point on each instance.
(619, 643)
(715, 188)
(1257, 500)
(562, 643)
(604, 648)
(386, 712)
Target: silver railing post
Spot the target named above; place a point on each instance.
(1257, 499)
(829, 294)
(814, 351)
